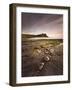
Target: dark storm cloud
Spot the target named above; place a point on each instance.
(38, 23)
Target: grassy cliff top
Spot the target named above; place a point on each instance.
(32, 35)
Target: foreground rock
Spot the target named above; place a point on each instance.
(44, 61)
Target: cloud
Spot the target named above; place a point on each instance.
(51, 24)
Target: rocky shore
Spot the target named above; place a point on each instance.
(43, 58)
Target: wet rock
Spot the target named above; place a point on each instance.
(52, 50)
(41, 66)
(38, 51)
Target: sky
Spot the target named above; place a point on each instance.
(34, 23)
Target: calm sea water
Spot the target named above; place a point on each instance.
(37, 38)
